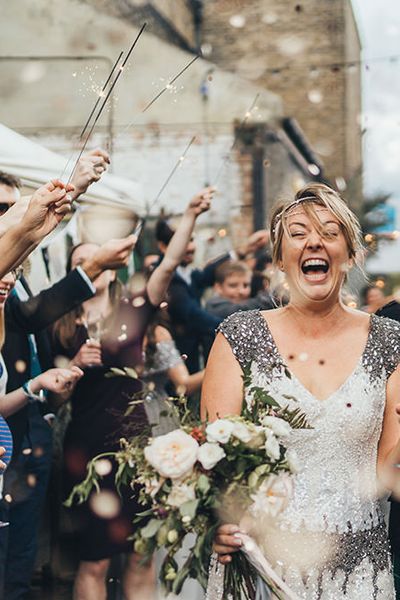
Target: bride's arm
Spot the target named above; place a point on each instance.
(222, 392)
(222, 395)
(389, 443)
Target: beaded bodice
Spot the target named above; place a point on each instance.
(335, 488)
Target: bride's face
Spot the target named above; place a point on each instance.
(315, 255)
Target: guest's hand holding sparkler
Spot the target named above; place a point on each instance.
(89, 169)
(201, 202)
(113, 254)
(161, 276)
(46, 209)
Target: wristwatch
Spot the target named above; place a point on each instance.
(32, 397)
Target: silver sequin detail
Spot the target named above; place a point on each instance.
(335, 495)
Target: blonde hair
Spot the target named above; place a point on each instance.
(307, 197)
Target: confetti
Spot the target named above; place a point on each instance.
(103, 467)
(237, 21)
(105, 504)
(315, 96)
(20, 366)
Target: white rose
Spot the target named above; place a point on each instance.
(293, 460)
(210, 454)
(280, 427)
(258, 436)
(242, 432)
(173, 454)
(272, 496)
(272, 447)
(180, 494)
(220, 431)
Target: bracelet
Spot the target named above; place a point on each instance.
(32, 397)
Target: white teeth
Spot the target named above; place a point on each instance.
(315, 262)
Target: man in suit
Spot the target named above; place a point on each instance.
(27, 352)
(193, 327)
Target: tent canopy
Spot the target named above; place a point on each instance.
(36, 165)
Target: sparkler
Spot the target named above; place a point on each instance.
(101, 95)
(236, 137)
(119, 71)
(174, 169)
(168, 86)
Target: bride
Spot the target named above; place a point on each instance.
(341, 367)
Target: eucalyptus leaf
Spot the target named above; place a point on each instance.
(151, 528)
(188, 509)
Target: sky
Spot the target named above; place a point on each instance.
(379, 27)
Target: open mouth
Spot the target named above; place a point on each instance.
(3, 293)
(315, 268)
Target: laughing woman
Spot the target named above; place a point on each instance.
(340, 366)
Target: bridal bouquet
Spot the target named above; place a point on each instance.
(201, 473)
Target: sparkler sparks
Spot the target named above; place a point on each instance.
(104, 102)
(247, 115)
(169, 85)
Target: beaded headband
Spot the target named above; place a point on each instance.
(287, 208)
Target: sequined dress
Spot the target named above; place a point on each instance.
(330, 543)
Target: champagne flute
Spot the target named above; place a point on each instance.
(94, 323)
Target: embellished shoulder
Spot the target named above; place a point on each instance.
(246, 334)
(385, 351)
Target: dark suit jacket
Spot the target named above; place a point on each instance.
(392, 310)
(34, 316)
(193, 326)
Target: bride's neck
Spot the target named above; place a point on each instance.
(312, 320)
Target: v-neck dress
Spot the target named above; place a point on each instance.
(330, 542)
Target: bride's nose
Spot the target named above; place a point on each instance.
(314, 240)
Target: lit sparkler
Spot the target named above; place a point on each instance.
(119, 70)
(236, 137)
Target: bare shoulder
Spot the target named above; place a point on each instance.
(162, 334)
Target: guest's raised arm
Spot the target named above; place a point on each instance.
(161, 277)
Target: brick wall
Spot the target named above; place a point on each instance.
(276, 44)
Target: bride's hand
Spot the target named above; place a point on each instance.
(226, 542)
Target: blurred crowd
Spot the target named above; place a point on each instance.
(60, 407)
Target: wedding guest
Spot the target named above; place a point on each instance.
(20, 234)
(374, 299)
(99, 404)
(30, 393)
(232, 291)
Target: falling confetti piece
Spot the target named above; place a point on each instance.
(315, 96)
(105, 504)
(341, 184)
(27, 451)
(20, 366)
(237, 21)
(138, 301)
(103, 467)
(303, 356)
(164, 305)
(314, 169)
(31, 480)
